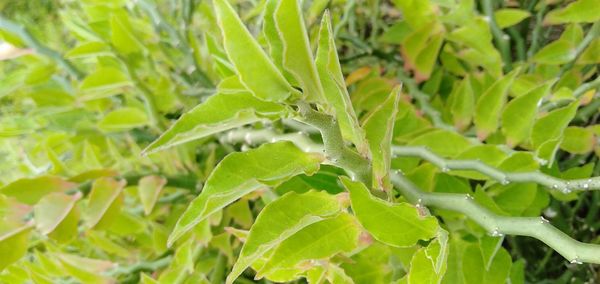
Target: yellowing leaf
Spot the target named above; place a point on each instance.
(219, 113)
(379, 130)
(149, 188)
(316, 241)
(31, 190)
(395, 224)
(259, 74)
(241, 173)
(52, 209)
(578, 140)
(103, 197)
(13, 244)
(281, 219)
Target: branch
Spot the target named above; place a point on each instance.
(500, 37)
(423, 100)
(34, 44)
(539, 228)
(550, 182)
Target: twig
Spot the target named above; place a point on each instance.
(539, 228)
(501, 39)
(550, 182)
(34, 44)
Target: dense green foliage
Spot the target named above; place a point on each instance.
(323, 141)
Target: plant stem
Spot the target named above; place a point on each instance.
(592, 34)
(501, 39)
(34, 44)
(539, 228)
(334, 144)
(550, 182)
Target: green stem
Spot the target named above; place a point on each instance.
(334, 144)
(34, 44)
(550, 182)
(535, 35)
(539, 228)
(218, 274)
(500, 38)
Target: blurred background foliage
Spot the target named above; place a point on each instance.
(86, 85)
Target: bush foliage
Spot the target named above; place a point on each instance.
(323, 141)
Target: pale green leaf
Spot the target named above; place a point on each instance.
(578, 140)
(519, 115)
(88, 49)
(281, 219)
(241, 173)
(552, 125)
(395, 224)
(510, 16)
(123, 119)
(379, 130)
(490, 104)
(580, 11)
(443, 142)
(555, 53)
(104, 193)
(297, 55)
(316, 241)
(259, 75)
(219, 113)
(31, 190)
(13, 243)
(149, 189)
(333, 84)
(52, 209)
(105, 81)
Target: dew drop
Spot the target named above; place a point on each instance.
(469, 197)
(555, 186)
(505, 181)
(247, 138)
(445, 169)
(544, 220)
(576, 261)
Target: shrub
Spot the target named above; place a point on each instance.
(325, 141)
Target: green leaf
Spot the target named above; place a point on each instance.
(443, 142)
(371, 265)
(297, 55)
(281, 219)
(462, 104)
(552, 125)
(241, 173)
(489, 246)
(103, 197)
(490, 104)
(591, 55)
(219, 113)
(123, 119)
(316, 241)
(88, 49)
(333, 84)
(379, 130)
(581, 11)
(555, 53)
(13, 244)
(395, 224)
(31, 190)
(510, 16)
(578, 140)
(515, 198)
(474, 270)
(428, 264)
(104, 82)
(53, 209)
(149, 189)
(122, 34)
(519, 115)
(259, 75)
(427, 57)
